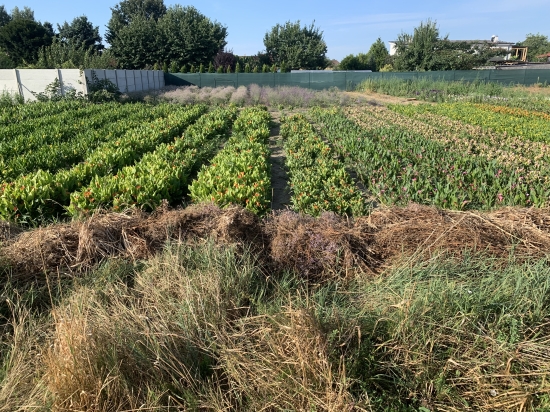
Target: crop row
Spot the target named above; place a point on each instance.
(532, 128)
(32, 111)
(399, 165)
(240, 173)
(52, 157)
(159, 175)
(45, 193)
(529, 159)
(318, 181)
(54, 127)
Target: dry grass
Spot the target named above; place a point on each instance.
(330, 245)
(210, 327)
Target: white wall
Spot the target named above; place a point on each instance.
(130, 80)
(25, 82)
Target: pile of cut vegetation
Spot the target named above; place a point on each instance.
(329, 244)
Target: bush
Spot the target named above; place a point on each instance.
(102, 90)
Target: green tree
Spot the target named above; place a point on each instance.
(201, 68)
(184, 69)
(210, 67)
(359, 62)
(425, 50)
(379, 54)
(73, 56)
(125, 12)
(237, 68)
(265, 68)
(81, 32)
(299, 47)
(133, 33)
(5, 17)
(537, 45)
(22, 14)
(247, 68)
(220, 69)
(21, 39)
(173, 67)
(137, 45)
(189, 36)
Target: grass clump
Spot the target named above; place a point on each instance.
(205, 327)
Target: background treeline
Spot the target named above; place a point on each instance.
(146, 34)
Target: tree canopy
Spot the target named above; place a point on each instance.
(81, 33)
(125, 12)
(299, 47)
(190, 37)
(145, 32)
(537, 44)
(359, 62)
(22, 38)
(378, 54)
(425, 50)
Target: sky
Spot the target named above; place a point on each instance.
(349, 27)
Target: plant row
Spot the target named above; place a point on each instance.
(318, 181)
(52, 157)
(240, 173)
(398, 166)
(48, 128)
(159, 175)
(44, 193)
(529, 159)
(12, 114)
(534, 128)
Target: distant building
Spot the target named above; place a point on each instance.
(494, 42)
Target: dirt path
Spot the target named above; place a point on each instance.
(382, 99)
(279, 177)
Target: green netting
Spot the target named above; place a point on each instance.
(350, 80)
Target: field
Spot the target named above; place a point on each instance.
(262, 249)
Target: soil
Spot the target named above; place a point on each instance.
(279, 177)
(382, 99)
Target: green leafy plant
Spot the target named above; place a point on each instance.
(240, 173)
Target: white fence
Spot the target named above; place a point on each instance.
(28, 82)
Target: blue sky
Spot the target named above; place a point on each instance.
(349, 27)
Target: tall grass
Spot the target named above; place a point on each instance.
(275, 97)
(444, 90)
(208, 328)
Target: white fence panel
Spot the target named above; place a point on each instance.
(27, 82)
(9, 82)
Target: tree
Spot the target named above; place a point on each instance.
(138, 44)
(378, 53)
(425, 50)
(300, 48)
(225, 58)
(5, 17)
(124, 13)
(359, 62)
(81, 32)
(537, 44)
(21, 39)
(25, 14)
(189, 36)
(133, 34)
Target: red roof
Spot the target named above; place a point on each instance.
(544, 55)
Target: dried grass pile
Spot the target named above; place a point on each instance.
(315, 247)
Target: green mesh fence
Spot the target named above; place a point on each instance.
(350, 80)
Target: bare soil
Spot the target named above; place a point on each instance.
(279, 178)
(382, 99)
